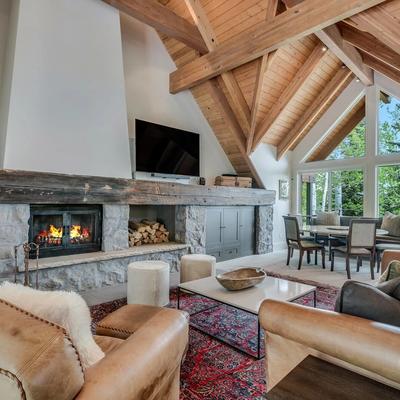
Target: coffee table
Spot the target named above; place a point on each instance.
(248, 300)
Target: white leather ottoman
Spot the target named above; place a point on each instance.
(148, 283)
(197, 266)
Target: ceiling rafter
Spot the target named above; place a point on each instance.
(380, 23)
(225, 110)
(264, 63)
(160, 17)
(348, 54)
(303, 19)
(339, 82)
(338, 135)
(381, 67)
(290, 91)
(369, 44)
(237, 100)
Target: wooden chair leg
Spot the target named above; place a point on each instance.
(372, 265)
(300, 258)
(289, 251)
(292, 252)
(332, 260)
(348, 266)
(308, 257)
(323, 257)
(378, 261)
(330, 249)
(358, 263)
(316, 258)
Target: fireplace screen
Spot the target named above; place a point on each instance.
(61, 230)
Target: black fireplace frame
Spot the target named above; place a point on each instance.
(66, 211)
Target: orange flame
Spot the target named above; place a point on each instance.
(55, 232)
(77, 232)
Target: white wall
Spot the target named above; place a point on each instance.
(5, 7)
(271, 171)
(67, 109)
(147, 67)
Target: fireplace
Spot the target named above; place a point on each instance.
(62, 230)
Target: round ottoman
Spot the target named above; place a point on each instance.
(197, 266)
(148, 283)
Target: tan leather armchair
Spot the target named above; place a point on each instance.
(144, 349)
(387, 257)
(293, 332)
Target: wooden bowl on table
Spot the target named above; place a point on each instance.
(242, 278)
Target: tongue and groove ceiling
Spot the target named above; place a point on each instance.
(272, 88)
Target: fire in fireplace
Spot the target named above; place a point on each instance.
(61, 230)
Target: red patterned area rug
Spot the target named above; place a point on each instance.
(213, 370)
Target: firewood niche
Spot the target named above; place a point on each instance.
(147, 232)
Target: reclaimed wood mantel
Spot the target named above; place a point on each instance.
(23, 187)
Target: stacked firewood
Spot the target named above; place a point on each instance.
(147, 232)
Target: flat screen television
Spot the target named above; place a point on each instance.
(165, 150)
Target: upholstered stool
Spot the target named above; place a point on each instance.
(148, 283)
(197, 266)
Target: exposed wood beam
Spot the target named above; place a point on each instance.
(264, 63)
(370, 45)
(323, 153)
(226, 112)
(341, 79)
(152, 13)
(295, 84)
(382, 24)
(348, 54)
(237, 100)
(303, 19)
(382, 68)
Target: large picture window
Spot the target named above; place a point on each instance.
(389, 189)
(341, 191)
(389, 124)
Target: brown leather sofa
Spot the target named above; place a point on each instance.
(387, 257)
(144, 349)
(293, 332)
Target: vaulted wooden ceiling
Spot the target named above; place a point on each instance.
(267, 70)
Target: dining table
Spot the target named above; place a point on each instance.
(337, 231)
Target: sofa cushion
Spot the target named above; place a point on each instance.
(391, 223)
(328, 218)
(108, 343)
(391, 272)
(66, 309)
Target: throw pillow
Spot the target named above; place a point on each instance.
(391, 272)
(391, 223)
(328, 218)
(66, 309)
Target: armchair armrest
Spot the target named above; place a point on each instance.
(387, 257)
(145, 366)
(294, 331)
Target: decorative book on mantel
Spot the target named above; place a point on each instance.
(147, 232)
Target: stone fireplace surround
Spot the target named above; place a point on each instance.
(107, 268)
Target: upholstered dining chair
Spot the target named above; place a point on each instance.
(295, 241)
(361, 243)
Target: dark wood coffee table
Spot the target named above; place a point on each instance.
(315, 379)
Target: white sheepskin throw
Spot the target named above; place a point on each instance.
(66, 309)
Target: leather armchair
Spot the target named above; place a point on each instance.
(293, 332)
(144, 349)
(387, 257)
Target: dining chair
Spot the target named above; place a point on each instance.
(361, 243)
(294, 241)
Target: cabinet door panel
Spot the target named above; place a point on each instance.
(213, 227)
(247, 231)
(230, 234)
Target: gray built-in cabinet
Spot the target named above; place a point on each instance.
(230, 232)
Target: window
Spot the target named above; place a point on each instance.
(389, 124)
(389, 189)
(353, 145)
(341, 191)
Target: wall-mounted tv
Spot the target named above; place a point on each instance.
(164, 150)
